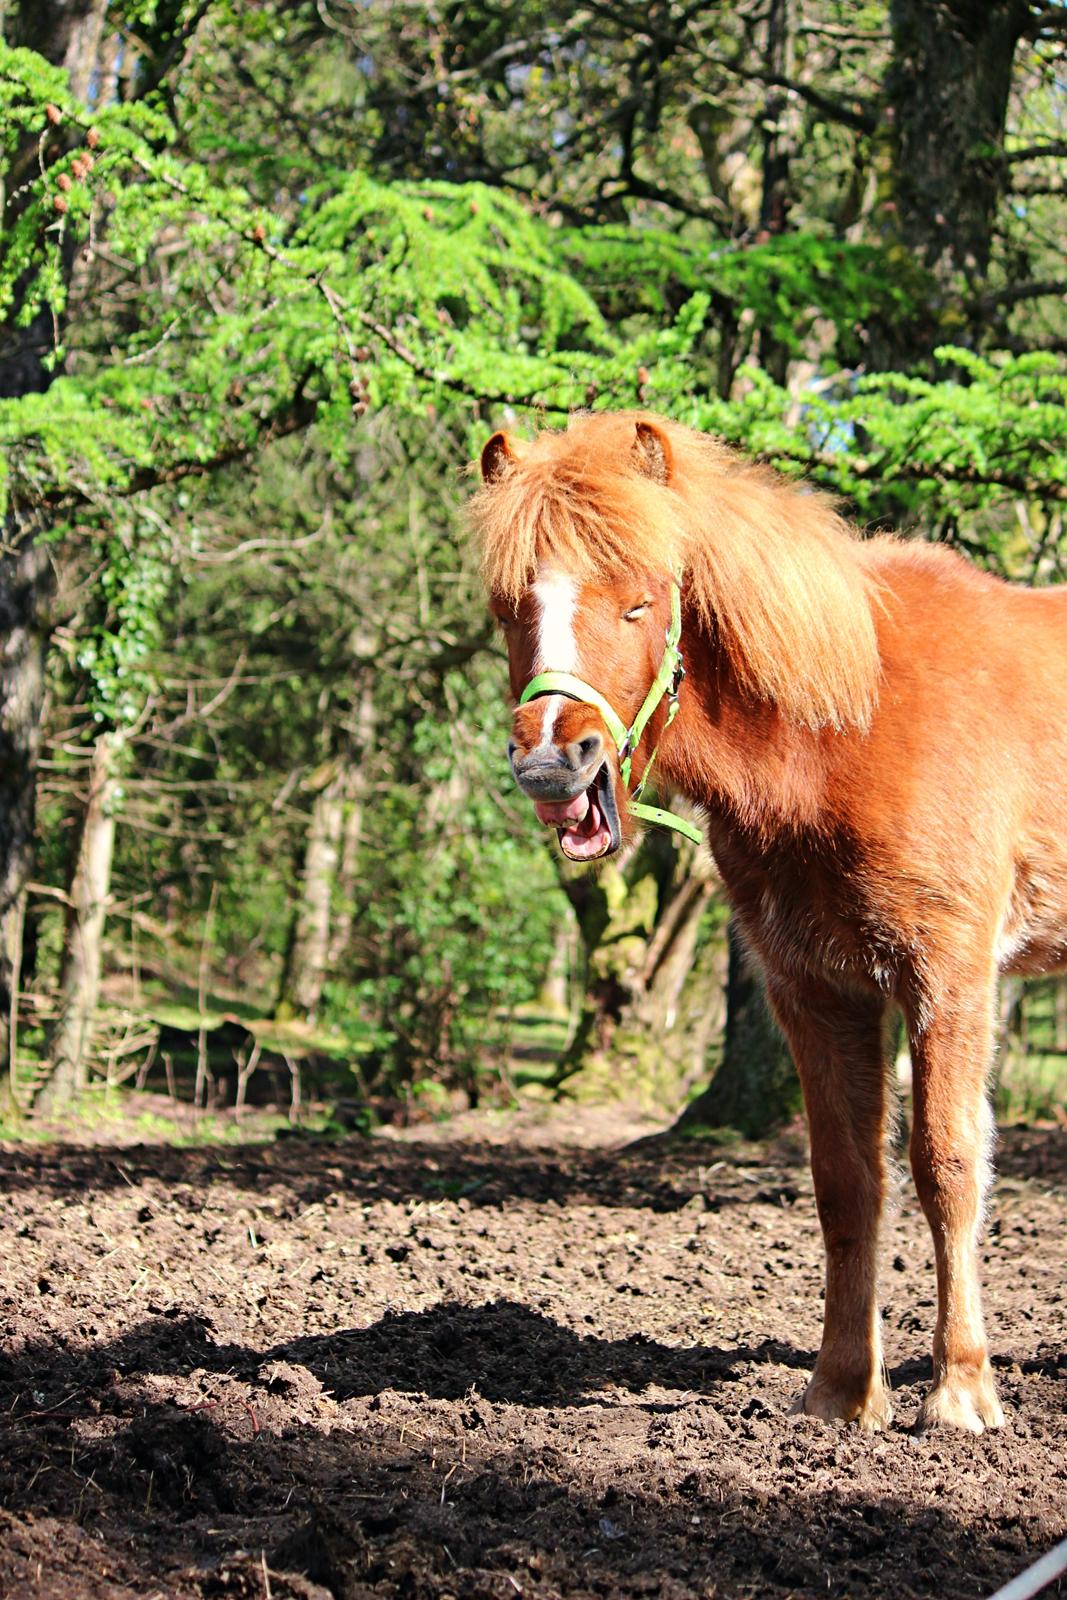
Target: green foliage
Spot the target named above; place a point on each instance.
(77, 157)
(115, 655)
(364, 294)
(955, 445)
(785, 286)
(455, 912)
(360, 293)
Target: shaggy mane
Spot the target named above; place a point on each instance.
(774, 572)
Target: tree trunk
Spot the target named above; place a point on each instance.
(352, 831)
(24, 590)
(941, 177)
(307, 963)
(646, 949)
(555, 993)
(687, 993)
(947, 89)
(778, 131)
(79, 984)
(755, 1089)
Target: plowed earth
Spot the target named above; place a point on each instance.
(467, 1368)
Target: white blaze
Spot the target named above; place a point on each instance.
(557, 650)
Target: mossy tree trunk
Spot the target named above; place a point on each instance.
(67, 34)
(653, 964)
(755, 1089)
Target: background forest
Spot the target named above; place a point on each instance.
(270, 272)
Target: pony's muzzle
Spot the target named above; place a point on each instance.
(557, 772)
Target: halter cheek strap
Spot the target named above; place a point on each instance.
(666, 683)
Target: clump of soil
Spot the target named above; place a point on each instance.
(433, 1367)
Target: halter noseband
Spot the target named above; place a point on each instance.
(667, 682)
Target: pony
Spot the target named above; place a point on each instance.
(876, 734)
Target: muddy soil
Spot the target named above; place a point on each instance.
(472, 1367)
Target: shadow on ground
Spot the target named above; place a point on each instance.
(117, 1494)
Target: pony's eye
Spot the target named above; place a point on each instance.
(636, 611)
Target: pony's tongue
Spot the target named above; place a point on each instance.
(557, 813)
(583, 833)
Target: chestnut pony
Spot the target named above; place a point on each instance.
(877, 735)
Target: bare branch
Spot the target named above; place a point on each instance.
(1036, 152)
(826, 462)
(1011, 293)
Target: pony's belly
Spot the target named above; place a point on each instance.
(1036, 952)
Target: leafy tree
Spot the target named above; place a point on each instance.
(262, 323)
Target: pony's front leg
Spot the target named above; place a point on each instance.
(838, 1046)
(950, 1145)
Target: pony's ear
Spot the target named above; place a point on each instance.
(498, 457)
(652, 453)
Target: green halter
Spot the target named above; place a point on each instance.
(666, 682)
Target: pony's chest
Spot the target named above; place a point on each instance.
(1032, 938)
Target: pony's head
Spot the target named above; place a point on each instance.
(576, 599)
(586, 534)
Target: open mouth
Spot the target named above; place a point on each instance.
(587, 825)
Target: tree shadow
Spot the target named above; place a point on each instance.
(477, 1174)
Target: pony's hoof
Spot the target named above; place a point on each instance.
(871, 1414)
(961, 1402)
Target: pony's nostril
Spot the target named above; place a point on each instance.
(589, 748)
(512, 747)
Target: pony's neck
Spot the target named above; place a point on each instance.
(740, 757)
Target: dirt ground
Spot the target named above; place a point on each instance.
(493, 1363)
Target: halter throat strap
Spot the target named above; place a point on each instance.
(666, 683)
